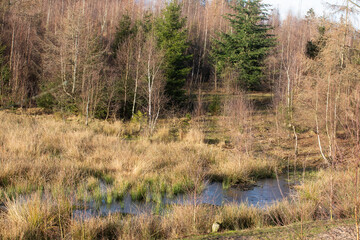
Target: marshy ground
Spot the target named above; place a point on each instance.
(53, 167)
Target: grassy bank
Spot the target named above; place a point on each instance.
(53, 218)
(307, 230)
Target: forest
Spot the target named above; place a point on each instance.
(113, 59)
(118, 117)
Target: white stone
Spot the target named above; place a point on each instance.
(215, 227)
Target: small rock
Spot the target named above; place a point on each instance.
(215, 227)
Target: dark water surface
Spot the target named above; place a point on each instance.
(266, 192)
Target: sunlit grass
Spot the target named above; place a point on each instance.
(50, 167)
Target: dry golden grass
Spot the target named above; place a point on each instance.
(40, 151)
(36, 216)
(237, 217)
(64, 158)
(49, 164)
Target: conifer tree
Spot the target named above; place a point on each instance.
(172, 40)
(123, 31)
(4, 76)
(246, 46)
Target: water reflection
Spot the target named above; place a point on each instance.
(266, 192)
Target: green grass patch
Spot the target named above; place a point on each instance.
(120, 190)
(138, 192)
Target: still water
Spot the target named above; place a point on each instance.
(264, 193)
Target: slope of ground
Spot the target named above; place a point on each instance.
(321, 230)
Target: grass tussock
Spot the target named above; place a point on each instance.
(237, 217)
(189, 220)
(242, 169)
(35, 217)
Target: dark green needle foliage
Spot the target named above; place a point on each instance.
(245, 47)
(313, 48)
(4, 75)
(172, 40)
(123, 31)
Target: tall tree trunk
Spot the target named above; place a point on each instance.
(75, 62)
(136, 82)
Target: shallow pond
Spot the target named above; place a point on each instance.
(264, 193)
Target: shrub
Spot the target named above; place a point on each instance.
(215, 105)
(46, 101)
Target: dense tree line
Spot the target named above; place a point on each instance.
(116, 57)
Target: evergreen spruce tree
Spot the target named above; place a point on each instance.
(4, 76)
(172, 39)
(246, 46)
(123, 31)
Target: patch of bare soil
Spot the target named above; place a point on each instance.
(343, 233)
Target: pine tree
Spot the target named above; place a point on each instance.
(246, 46)
(172, 40)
